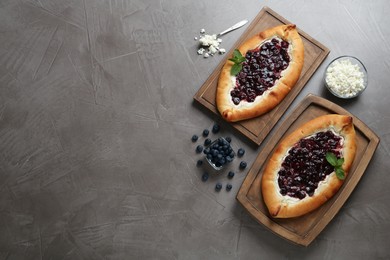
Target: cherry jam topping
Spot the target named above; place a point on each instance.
(306, 165)
(260, 70)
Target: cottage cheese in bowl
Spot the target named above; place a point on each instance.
(346, 77)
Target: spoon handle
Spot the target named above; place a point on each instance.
(234, 27)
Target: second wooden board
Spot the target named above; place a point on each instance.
(303, 230)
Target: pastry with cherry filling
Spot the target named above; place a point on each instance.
(298, 177)
(273, 63)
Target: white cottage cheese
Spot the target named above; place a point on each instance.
(344, 78)
(209, 44)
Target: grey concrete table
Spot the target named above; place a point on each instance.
(96, 117)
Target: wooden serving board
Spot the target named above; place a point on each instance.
(303, 230)
(257, 129)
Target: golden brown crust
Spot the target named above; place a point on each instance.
(273, 96)
(280, 206)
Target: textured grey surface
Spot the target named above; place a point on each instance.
(96, 116)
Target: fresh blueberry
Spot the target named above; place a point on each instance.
(199, 148)
(207, 141)
(218, 186)
(205, 132)
(216, 128)
(228, 159)
(228, 139)
(206, 151)
(232, 154)
(243, 165)
(230, 174)
(199, 163)
(194, 138)
(229, 187)
(209, 156)
(205, 176)
(222, 161)
(240, 152)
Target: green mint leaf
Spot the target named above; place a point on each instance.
(340, 162)
(340, 173)
(240, 59)
(236, 68)
(237, 59)
(237, 54)
(331, 158)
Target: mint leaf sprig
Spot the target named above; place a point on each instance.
(336, 163)
(238, 59)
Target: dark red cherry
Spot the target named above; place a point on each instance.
(260, 70)
(305, 164)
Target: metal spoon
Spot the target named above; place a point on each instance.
(234, 27)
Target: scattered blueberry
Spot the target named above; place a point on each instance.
(199, 163)
(230, 174)
(242, 165)
(218, 186)
(205, 132)
(199, 148)
(207, 141)
(205, 176)
(228, 139)
(216, 128)
(240, 152)
(229, 187)
(194, 138)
